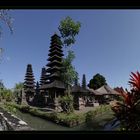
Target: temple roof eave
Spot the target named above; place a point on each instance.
(54, 84)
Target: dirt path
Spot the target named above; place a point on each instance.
(84, 110)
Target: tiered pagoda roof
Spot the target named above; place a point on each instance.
(55, 65)
(43, 76)
(55, 84)
(29, 83)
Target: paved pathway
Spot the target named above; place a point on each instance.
(84, 110)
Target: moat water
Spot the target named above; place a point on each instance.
(39, 124)
(44, 125)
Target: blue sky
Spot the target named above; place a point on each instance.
(108, 43)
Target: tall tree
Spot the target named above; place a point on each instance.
(18, 92)
(84, 85)
(76, 83)
(19, 86)
(69, 29)
(97, 81)
(69, 74)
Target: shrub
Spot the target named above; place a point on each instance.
(6, 94)
(24, 108)
(9, 108)
(67, 103)
(90, 115)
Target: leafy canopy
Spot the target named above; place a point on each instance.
(69, 74)
(19, 86)
(68, 30)
(97, 81)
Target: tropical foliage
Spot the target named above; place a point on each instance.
(19, 86)
(6, 95)
(128, 111)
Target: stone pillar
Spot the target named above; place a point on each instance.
(24, 101)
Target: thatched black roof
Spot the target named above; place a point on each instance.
(94, 92)
(104, 90)
(54, 63)
(56, 52)
(54, 84)
(51, 58)
(78, 89)
(54, 68)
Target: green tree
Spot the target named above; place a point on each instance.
(84, 81)
(97, 81)
(18, 92)
(19, 86)
(6, 94)
(76, 83)
(68, 29)
(69, 74)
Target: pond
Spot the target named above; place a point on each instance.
(112, 125)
